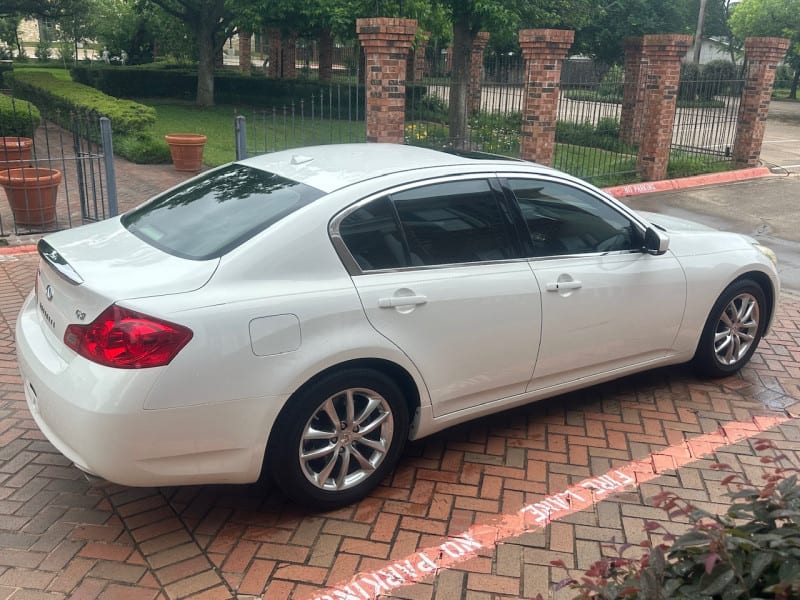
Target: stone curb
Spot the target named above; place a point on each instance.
(665, 185)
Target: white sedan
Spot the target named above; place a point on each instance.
(309, 311)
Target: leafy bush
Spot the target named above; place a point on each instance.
(604, 135)
(18, 117)
(427, 108)
(169, 80)
(59, 98)
(142, 148)
(752, 551)
(613, 83)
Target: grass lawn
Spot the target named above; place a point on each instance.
(265, 131)
(56, 71)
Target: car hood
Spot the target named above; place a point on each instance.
(116, 264)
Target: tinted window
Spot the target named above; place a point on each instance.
(454, 222)
(373, 236)
(565, 220)
(210, 216)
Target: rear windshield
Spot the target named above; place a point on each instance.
(210, 216)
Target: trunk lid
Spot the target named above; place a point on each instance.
(85, 270)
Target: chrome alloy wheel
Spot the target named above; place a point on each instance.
(736, 329)
(346, 439)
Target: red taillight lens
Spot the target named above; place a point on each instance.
(126, 339)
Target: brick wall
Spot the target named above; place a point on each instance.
(476, 71)
(663, 54)
(386, 44)
(544, 51)
(763, 56)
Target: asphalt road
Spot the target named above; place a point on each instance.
(767, 208)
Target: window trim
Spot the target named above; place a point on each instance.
(352, 266)
(612, 204)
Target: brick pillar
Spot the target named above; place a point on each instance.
(386, 44)
(544, 51)
(476, 72)
(289, 56)
(763, 56)
(419, 56)
(325, 55)
(663, 54)
(630, 122)
(245, 51)
(274, 47)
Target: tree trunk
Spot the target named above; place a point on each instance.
(245, 51)
(462, 47)
(205, 64)
(793, 88)
(325, 55)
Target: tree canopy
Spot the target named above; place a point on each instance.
(771, 18)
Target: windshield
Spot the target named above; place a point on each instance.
(209, 216)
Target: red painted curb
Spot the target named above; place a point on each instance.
(634, 189)
(29, 249)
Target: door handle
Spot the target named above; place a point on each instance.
(563, 285)
(402, 301)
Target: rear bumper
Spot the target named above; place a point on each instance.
(94, 415)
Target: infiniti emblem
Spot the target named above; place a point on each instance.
(48, 291)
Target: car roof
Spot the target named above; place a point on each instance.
(332, 167)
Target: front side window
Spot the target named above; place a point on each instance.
(209, 216)
(564, 220)
(454, 222)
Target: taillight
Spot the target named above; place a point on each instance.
(126, 339)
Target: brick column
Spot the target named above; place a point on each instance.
(245, 51)
(274, 47)
(289, 56)
(420, 65)
(544, 51)
(763, 56)
(476, 72)
(386, 45)
(630, 122)
(325, 55)
(663, 54)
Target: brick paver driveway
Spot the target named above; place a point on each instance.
(61, 536)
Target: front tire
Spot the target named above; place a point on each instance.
(338, 439)
(733, 329)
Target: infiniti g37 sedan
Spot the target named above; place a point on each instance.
(307, 312)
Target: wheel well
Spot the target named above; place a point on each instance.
(397, 373)
(766, 285)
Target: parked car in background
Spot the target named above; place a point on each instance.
(309, 311)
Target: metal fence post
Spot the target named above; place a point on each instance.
(240, 129)
(108, 159)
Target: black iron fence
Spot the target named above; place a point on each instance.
(706, 119)
(334, 115)
(54, 177)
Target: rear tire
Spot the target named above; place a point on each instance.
(337, 440)
(732, 331)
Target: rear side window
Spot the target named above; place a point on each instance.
(454, 222)
(210, 216)
(373, 236)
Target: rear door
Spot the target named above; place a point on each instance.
(439, 273)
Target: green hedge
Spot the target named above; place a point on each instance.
(59, 97)
(230, 87)
(18, 117)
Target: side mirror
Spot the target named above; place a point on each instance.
(655, 242)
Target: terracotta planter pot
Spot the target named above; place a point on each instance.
(186, 150)
(32, 193)
(15, 152)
